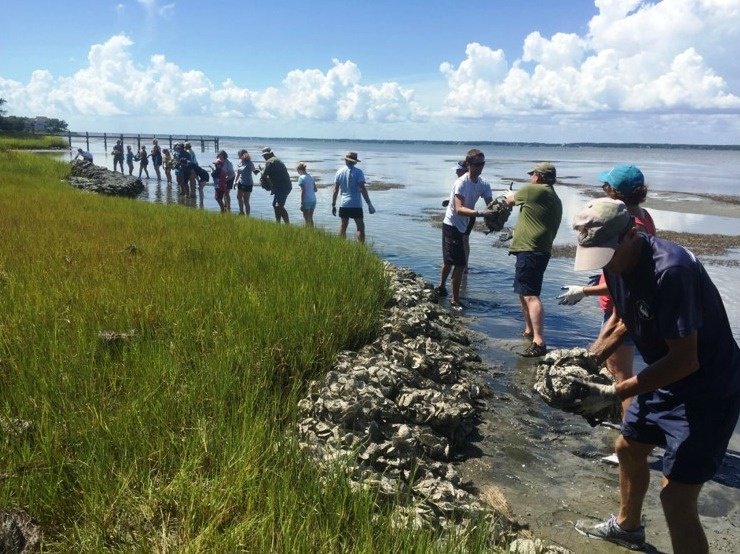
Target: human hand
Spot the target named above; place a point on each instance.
(485, 213)
(596, 399)
(573, 295)
(370, 208)
(334, 210)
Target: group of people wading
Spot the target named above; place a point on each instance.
(191, 178)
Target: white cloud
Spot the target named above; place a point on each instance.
(112, 84)
(637, 56)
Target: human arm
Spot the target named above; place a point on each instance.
(334, 199)
(575, 293)
(610, 337)
(366, 196)
(460, 209)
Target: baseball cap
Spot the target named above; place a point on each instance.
(623, 178)
(600, 224)
(546, 169)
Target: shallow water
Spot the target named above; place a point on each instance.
(401, 231)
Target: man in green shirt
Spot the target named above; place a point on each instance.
(539, 218)
(276, 174)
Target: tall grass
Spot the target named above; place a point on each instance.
(182, 437)
(26, 141)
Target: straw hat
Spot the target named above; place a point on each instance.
(352, 157)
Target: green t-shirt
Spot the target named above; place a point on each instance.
(539, 218)
(279, 176)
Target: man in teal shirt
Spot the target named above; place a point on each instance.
(538, 222)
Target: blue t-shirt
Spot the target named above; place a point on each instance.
(669, 295)
(349, 180)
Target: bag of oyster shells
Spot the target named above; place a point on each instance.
(499, 214)
(558, 377)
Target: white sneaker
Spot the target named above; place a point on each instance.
(611, 459)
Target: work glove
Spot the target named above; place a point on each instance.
(485, 213)
(573, 295)
(334, 210)
(370, 208)
(597, 398)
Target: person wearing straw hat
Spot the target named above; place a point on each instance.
(687, 399)
(350, 181)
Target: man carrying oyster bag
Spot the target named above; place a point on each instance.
(687, 399)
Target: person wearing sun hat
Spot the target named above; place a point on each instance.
(350, 181)
(540, 212)
(687, 399)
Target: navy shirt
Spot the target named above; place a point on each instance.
(668, 295)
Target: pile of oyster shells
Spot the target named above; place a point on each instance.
(557, 383)
(396, 413)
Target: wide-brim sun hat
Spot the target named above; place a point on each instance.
(351, 157)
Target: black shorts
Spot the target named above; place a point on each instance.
(470, 227)
(453, 246)
(353, 213)
(244, 188)
(530, 269)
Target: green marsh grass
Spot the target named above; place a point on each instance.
(182, 438)
(26, 141)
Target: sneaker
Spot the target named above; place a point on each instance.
(527, 335)
(534, 350)
(441, 291)
(456, 306)
(612, 532)
(611, 460)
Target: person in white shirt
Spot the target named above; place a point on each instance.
(466, 191)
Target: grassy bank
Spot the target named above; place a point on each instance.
(26, 141)
(178, 435)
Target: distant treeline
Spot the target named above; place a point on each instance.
(16, 124)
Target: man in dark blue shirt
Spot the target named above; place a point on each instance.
(687, 399)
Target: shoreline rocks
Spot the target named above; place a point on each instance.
(93, 178)
(396, 414)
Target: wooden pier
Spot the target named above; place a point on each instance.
(171, 139)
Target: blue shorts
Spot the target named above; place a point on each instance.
(627, 340)
(307, 206)
(529, 270)
(694, 432)
(280, 199)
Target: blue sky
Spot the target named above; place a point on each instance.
(576, 70)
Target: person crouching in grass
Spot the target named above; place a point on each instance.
(308, 193)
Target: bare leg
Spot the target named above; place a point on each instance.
(247, 207)
(619, 365)
(682, 516)
(343, 222)
(533, 317)
(360, 223)
(634, 478)
(457, 273)
(240, 200)
(446, 268)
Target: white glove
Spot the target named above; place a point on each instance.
(370, 208)
(598, 398)
(573, 295)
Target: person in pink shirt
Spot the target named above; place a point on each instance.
(625, 183)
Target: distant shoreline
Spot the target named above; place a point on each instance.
(634, 145)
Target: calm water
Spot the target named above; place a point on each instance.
(401, 231)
